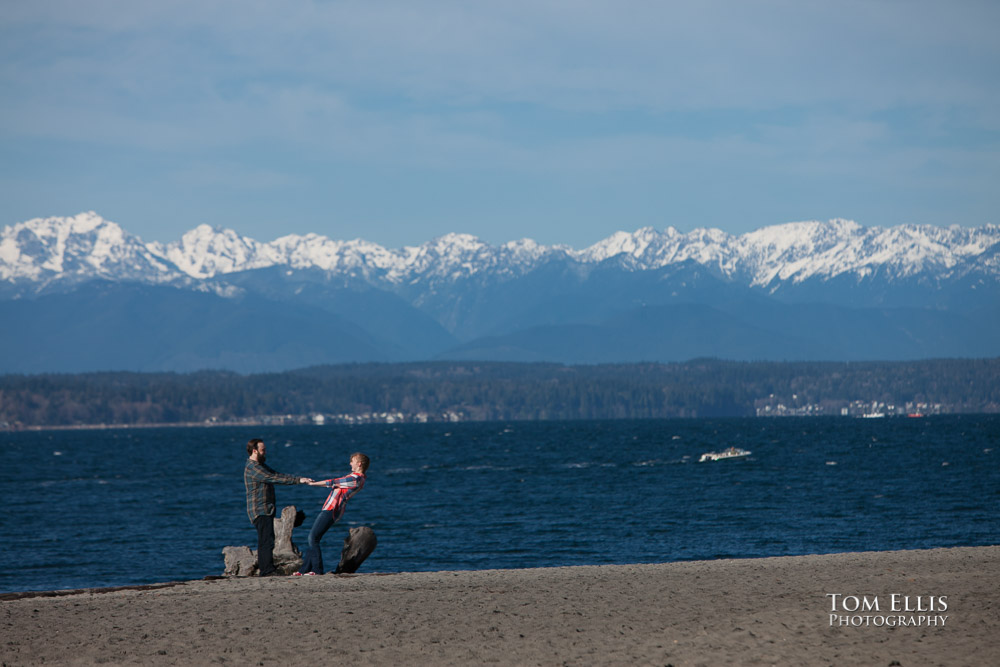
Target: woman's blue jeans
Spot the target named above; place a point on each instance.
(312, 561)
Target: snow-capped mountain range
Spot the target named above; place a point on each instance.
(87, 246)
(81, 293)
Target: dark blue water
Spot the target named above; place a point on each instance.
(103, 508)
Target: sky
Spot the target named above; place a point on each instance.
(562, 121)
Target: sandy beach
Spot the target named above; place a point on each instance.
(931, 607)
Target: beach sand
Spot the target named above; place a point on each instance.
(773, 611)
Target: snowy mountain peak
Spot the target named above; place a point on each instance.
(459, 242)
(80, 247)
(802, 236)
(528, 251)
(86, 246)
(620, 243)
(206, 251)
(799, 251)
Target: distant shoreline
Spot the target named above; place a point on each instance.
(271, 423)
(102, 427)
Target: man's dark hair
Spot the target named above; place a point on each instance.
(252, 445)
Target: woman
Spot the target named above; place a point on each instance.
(343, 489)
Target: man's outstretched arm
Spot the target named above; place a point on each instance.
(259, 474)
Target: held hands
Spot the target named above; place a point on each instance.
(305, 480)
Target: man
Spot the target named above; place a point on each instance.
(259, 480)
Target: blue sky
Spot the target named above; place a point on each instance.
(562, 121)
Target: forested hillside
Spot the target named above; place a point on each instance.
(501, 391)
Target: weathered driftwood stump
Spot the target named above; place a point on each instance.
(242, 561)
(358, 545)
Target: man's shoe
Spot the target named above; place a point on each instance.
(272, 573)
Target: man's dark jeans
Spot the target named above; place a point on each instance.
(265, 545)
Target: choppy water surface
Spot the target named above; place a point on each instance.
(116, 507)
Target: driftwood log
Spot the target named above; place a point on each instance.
(242, 561)
(358, 546)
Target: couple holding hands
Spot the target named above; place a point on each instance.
(259, 479)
